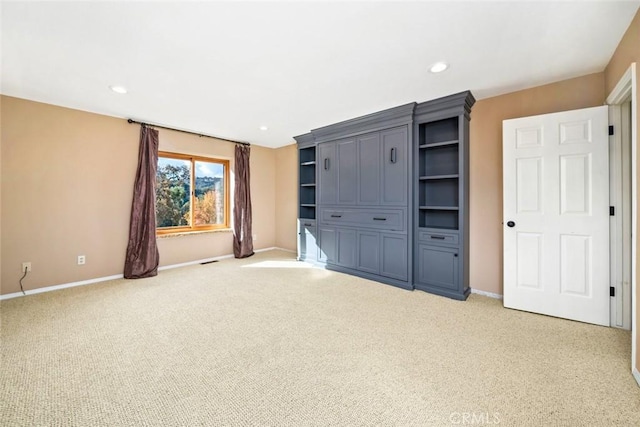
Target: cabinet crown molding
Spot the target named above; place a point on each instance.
(452, 105)
(385, 119)
(306, 139)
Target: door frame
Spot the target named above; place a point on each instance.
(627, 88)
(620, 223)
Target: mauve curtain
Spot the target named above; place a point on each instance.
(142, 251)
(242, 237)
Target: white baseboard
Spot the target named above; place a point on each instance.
(120, 276)
(199, 261)
(636, 375)
(278, 249)
(486, 294)
(58, 287)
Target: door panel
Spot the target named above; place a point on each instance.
(347, 171)
(394, 167)
(575, 263)
(529, 185)
(369, 252)
(369, 169)
(346, 240)
(556, 214)
(529, 268)
(327, 244)
(395, 260)
(575, 184)
(327, 173)
(438, 266)
(307, 247)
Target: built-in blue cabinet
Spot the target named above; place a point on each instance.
(441, 196)
(385, 196)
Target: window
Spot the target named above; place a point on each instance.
(192, 193)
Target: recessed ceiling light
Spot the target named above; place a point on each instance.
(118, 89)
(439, 67)
(263, 128)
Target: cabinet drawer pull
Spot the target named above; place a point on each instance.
(379, 219)
(307, 225)
(336, 216)
(438, 237)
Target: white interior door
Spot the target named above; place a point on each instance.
(556, 214)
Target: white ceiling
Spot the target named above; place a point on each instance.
(227, 68)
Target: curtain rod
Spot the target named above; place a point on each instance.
(186, 131)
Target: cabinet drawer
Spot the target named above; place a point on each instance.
(436, 238)
(306, 223)
(379, 219)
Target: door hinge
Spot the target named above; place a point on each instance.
(612, 291)
(612, 210)
(611, 130)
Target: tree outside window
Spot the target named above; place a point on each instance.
(191, 193)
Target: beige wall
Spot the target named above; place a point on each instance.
(628, 51)
(68, 175)
(286, 197)
(486, 163)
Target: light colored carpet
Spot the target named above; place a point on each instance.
(265, 341)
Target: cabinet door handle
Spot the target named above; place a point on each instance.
(393, 155)
(455, 255)
(326, 164)
(307, 225)
(438, 237)
(379, 219)
(336, 216)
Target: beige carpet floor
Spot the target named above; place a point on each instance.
(266, 341)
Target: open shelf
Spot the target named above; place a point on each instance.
(307, 156)
(442, 160)
(307, 183)
(439, 132)
(307, 212)
(439, 193)
(438, 174)
(307, 175)
(439, 144)
(439, 208)
(445, 219)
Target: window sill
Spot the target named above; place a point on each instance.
(192, 233)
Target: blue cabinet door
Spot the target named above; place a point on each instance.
(395, 175)
(346, 239)
(307, 247)
(394, 260)
(347, 154)
(327, 244)
(369, 251)
(327, 173)
(438, 267)
(369, 169)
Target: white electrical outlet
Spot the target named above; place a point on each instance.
(255, 237)
(26, 266)
(81, 259)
